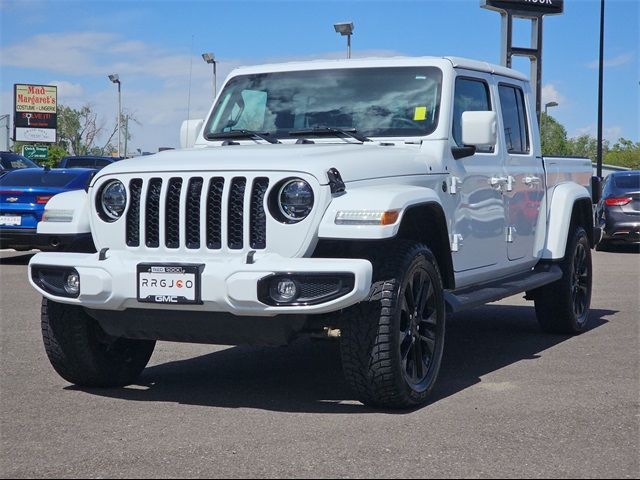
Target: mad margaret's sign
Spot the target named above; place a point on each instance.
(35, 116)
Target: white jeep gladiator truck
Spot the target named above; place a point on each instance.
(363, 198)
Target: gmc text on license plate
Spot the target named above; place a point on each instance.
(169, 284)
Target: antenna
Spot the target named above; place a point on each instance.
(189, 90)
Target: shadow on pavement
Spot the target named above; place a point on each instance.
(619, 248)
(17, 258)
(307, 377)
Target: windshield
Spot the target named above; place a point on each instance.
(376, 102)
(11, 161)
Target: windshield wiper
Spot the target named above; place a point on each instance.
(344, 132)
(242, 134)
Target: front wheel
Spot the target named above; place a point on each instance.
(392, 344)
(563, 306)
(83, 354)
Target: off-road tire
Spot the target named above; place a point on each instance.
(375, 332)
(83, 354)
(563, 306)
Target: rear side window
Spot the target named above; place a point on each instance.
(627, 182)
(514, 117)
(472, 95)
(37, 178)
(102, 163)
(80, 163)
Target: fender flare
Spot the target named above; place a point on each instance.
(76, 201)
(376, 198)
(561, 204)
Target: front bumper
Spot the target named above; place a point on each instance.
(228, 284)
(29, 238)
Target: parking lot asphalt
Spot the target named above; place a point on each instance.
(511, 402)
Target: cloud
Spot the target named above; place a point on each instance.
(67, 90)
(551, 94)
(611, 133)
(617, 61)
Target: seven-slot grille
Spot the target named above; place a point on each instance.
(177, 205)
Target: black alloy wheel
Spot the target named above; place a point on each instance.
(418, 327)
(580, 283)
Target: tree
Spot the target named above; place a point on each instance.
(553, 136)
(78, 129)
(624, 153)
(586, 146)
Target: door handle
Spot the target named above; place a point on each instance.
(530, 180)
(497, 181)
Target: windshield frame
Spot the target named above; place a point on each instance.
(438, 73)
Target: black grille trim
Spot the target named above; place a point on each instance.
(133, 214)
(172, 213)
(152, 213)
(192, 214)
(235, 213)
(214, 213)
(258, 216)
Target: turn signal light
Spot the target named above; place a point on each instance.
(617, 202)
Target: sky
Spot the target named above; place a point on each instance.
(155, 46)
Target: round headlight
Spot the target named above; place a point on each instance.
(113, 200)
(295, 199)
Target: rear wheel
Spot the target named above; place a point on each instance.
(563, 306)
(83, 354)
(392, 344)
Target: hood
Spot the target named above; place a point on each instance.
(354, 161)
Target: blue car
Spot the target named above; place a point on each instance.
(23, 196)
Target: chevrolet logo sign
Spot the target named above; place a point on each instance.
(12, 199)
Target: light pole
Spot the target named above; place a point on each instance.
(600, 90)
(116, 79)
(210, 58)
(550, 104)
(345, 29)
(546, 107)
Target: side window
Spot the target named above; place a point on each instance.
(471, 95)
(514, 117)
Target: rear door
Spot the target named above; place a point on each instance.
(524, 173)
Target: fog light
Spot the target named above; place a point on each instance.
(284, 290)
(72, 284)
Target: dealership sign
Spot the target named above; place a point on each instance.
(543, 7)
(35, 114)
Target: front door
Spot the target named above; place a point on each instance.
(479, 219)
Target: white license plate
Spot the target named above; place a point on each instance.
(172, 284)
(13, 220)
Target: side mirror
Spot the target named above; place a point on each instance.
(189, 132)
(479, 129)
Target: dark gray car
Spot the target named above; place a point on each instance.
(618, 211)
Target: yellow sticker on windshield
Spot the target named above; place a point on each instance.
(420, 114)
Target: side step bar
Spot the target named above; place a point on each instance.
(465, 298)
